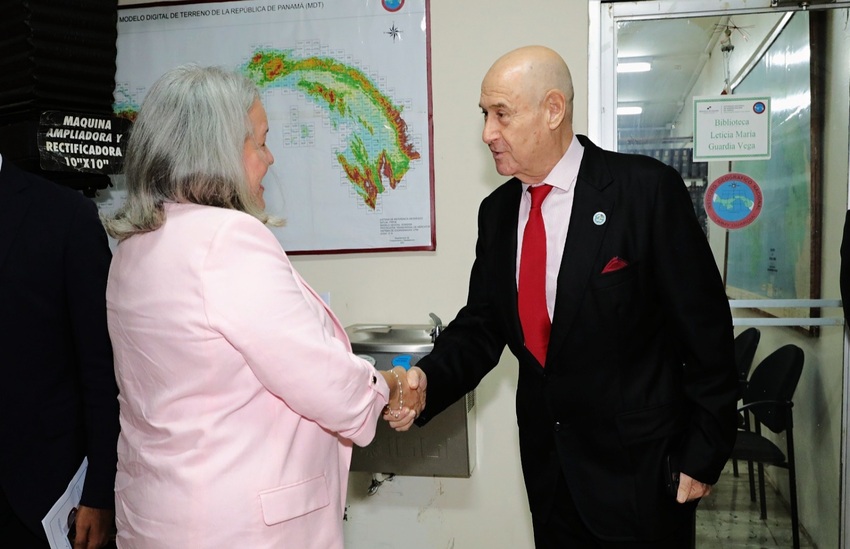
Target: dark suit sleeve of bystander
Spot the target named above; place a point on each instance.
(86, 268)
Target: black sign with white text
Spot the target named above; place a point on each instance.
(82, 142)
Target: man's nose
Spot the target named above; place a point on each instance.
(489, 133)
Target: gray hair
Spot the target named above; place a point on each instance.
(186, 146)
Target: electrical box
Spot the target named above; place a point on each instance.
(445, 447)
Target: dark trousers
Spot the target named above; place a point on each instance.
(13, 532)
(564, 528)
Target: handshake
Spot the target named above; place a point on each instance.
(407, 396)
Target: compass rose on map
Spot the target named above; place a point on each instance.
(394, 32)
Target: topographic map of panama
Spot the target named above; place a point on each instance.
(378, 147)
(346, 87)
(378, 150)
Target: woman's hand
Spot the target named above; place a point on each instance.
(407, 396)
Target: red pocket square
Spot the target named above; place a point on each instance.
(615, 265)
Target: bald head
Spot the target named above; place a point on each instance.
(527, 100)
(533, 71)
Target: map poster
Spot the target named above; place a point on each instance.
(778, 254)
(346, 86)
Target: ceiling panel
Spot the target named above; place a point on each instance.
(677, 50)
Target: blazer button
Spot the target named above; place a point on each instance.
(557, 426)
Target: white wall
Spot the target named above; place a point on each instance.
(490, 508)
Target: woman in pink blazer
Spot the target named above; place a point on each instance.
(240, 397)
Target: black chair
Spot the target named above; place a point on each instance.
(746, 344)
(745, 349)
(767, 399)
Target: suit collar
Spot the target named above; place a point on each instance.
(506, 210)
(584, 237)
(594, 169)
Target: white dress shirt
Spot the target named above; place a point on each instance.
(557, 210)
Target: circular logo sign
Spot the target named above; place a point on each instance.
(392, 5)
(733, 201)
(759, 107)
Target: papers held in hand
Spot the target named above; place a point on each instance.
(58, 522)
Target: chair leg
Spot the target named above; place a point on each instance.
(750, 463)
(763, 501)
(792, 488)
(735, 468)
(751, 473)
(795, 519)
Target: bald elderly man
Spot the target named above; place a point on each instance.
(624, 338)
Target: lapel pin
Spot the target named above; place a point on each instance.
(599, 218)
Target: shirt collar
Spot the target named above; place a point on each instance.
(565, 172)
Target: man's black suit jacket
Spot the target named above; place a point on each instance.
(58, 397)
(640, 362)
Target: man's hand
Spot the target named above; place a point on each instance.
(691, 489)
(93, 527)
(413, 383)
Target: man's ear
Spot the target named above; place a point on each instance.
(556, 108)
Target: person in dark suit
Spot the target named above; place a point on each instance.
(844, 277)
(58, 398)
(629, 377)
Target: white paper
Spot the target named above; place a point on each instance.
(55, 522)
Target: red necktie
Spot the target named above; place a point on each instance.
(531, 297)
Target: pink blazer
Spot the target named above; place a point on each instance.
(239, 394)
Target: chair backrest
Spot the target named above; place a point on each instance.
(775, 378)
(745, 349)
